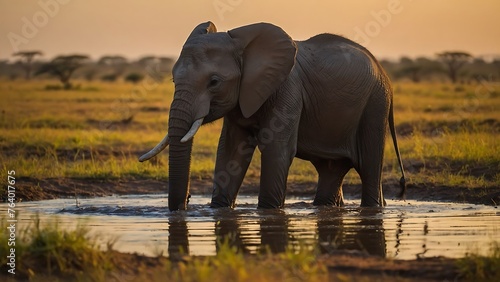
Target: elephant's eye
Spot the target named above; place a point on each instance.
(214, 82)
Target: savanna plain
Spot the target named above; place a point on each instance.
(85, 142)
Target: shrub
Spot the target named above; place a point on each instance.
(109, 77)
(481, 268)
(134, 77)
(69, 254)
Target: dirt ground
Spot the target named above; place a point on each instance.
(342, 265)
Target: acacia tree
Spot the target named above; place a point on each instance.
(117, 63)
(409, 68)
(147, 61)
(156, 67)
(496, 65)
(454, 61)
(63, 67)
(27, 60)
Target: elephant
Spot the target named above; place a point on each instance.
(326, 100)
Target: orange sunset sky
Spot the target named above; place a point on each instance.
(389, 28)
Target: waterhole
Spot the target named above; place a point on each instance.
(403, 230)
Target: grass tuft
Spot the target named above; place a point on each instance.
(475, 267)
(47, 250)
(295, 264)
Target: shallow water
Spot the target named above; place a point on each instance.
(402, 230)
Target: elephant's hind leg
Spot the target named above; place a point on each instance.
(331, 174)
(371, 143)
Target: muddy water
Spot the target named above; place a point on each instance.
(402, 230)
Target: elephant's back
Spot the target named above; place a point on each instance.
(336, 57)
(339, 78)
(338, 43)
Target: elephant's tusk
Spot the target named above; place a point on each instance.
(194, 128)
(156, 150)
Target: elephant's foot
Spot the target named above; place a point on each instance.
(220, 201)
(268, 206)
(270, 203)
(217, 205)
(373, 202)
(321, 201)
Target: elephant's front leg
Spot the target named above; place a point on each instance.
(276, 160)
(234, 154)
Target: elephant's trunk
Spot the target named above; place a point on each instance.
(178, 185)
(181, 130)
(179, 155)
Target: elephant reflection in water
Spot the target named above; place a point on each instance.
(227, 230)
(178, 238)
(273, 235)
(272, 229)
(365, 233)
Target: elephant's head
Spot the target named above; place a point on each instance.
(217, 72)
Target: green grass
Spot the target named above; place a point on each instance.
(465, 159)
(84, 134)
(475, 267)
(295, 264)
(43, 251)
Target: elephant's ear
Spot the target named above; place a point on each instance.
(268, 57)
(203, 28)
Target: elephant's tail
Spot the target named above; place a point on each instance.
(402, 181)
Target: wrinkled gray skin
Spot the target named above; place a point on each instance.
(326, 100)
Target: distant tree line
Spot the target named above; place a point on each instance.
(108, 68)
(454, 66)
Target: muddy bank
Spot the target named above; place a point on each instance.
(358, 265)
(31, 189)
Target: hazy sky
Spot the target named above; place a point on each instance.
(389, 28)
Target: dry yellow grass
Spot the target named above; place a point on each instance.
(99, 130)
